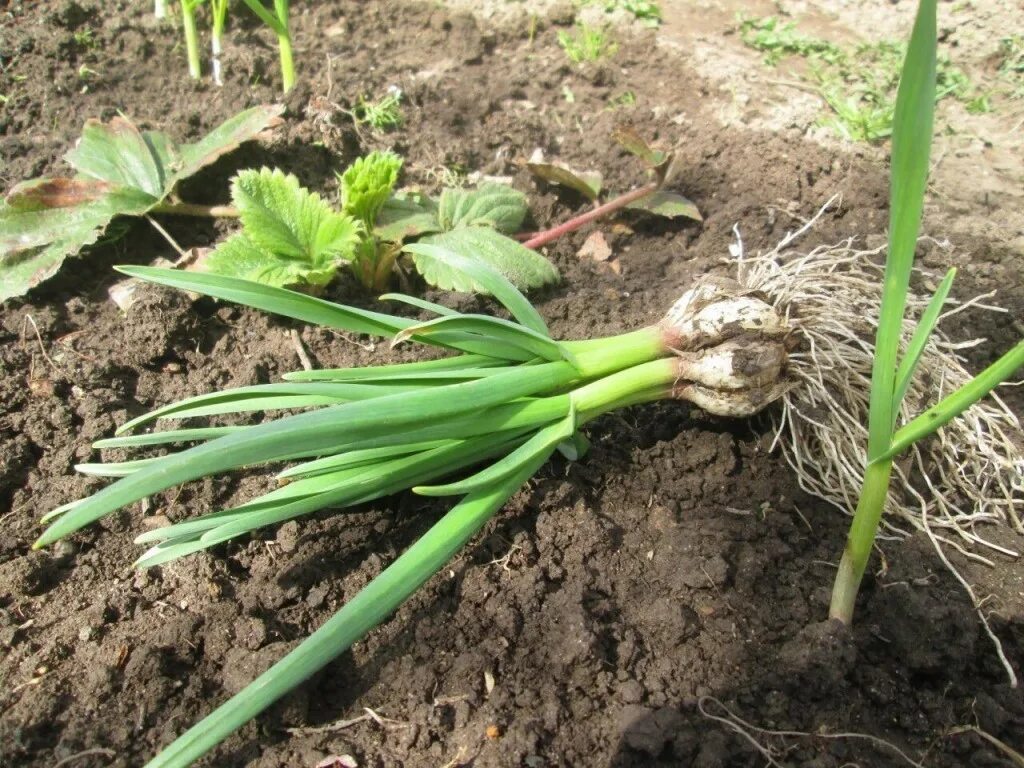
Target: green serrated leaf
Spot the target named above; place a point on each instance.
(239, 256)
(667, 204)
(367, 184)
(405, 215)
(498, 206)
(523, 267)
(290, 222)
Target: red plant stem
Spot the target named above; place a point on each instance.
(545, 237)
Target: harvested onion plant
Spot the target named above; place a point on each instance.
(509, 395)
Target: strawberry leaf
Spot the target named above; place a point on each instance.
(284, 219)
(366, 185)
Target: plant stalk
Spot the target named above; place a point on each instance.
(160, 9)
(860, 540)
(194, 209)
(188, 22)
(548, 235)
(284, 44)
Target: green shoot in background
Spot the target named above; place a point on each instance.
(911, 145)
(857, 83)
(188, 23)
(218, 16)
(384, 114)
(278, 22)
(588, 43)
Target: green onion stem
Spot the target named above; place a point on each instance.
(284, 44)
(642, 383)
(860, 540)
(188, 21)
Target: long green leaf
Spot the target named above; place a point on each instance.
(265, 397)
(911, 146)
(397, 370)
(415, 301)
(299, 306)
(542, 443)
(490, 280)
(278, 301)
(495, 330)
(929, 318)
(372, 605)
(357, 458)
(166, 437)
(956, 403)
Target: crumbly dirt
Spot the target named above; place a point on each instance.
(617, 604)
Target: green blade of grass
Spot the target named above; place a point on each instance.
(372, 605)
(490, 280)
(911, 148)
(956, 403)
(929, 318)
(267, 17)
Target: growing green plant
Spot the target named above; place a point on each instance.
(121, 171)
(384, 114)
(188, 23)
(510, 395)
(892, 372)
(278, 22)
(587, 43)
(218, 17)
(858, 84)
(291, 237)
(646, 12)
(652, 197)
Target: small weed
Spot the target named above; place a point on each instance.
(568, 95)
(858, 84)
(383, 114)
(1011, 64)
(85, 39)
(646, 12)
(622, 101)
(588, 43)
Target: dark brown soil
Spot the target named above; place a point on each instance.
(611, 602)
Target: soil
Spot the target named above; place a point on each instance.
(619, 607)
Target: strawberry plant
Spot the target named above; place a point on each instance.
(121, 171)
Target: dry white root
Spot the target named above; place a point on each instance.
(969, 474)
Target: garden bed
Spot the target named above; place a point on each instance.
(617, 603)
